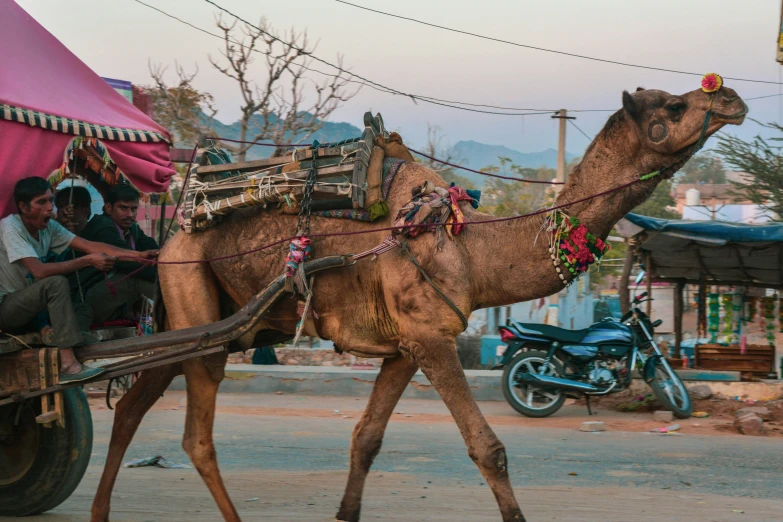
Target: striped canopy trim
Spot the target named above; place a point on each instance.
(76, 127)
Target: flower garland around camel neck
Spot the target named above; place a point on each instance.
(571, 246)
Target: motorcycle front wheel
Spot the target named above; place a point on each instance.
(670, 391)
(527, 399)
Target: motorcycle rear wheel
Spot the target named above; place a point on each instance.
(670, 391)
(530, 400)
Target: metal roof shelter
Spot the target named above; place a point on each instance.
(701, 252)
(723, 253)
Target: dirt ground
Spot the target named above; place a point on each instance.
(286, 496)
(500, 414)
(284, 458)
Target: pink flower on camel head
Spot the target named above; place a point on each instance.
(711, 82)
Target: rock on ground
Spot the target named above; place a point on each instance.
(749, 424)
(761, 411)
(592, 426)
(700, 392)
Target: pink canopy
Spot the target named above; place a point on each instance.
(48, 96)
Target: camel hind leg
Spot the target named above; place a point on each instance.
(367, 437)
(437, 358)
(127, 416)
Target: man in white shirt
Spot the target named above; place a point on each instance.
(29, 285)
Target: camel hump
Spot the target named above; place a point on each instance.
(393, 147)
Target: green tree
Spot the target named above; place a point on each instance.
(658, 205)
(762, 161)
(512, 198)
(611, 265)
(702, 168)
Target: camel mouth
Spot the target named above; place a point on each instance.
(738, 117)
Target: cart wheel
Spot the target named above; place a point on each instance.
(40, 467)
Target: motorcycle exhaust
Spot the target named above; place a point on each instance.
(555, 382)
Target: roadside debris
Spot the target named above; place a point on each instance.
(157, 461)
(700, 414)
(639, 403)
(667, 429)
(592, 426)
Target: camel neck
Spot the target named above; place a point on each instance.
(510, 261)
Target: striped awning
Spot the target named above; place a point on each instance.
(76, 127)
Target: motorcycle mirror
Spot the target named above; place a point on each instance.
(640, 277)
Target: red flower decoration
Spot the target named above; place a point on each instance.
(585, 256)
(578, 235)
(711, 82)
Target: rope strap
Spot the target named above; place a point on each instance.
(412, 258)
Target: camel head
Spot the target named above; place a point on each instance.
(643, 143)
(667, 127)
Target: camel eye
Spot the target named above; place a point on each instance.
(676, 108)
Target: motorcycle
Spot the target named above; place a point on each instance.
(543, 365)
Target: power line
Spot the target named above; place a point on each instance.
(339, 68)
(374, 85)
(580, 130)
(762, 97)
(516, 44)
(381, 88)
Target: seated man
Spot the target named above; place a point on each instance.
(28, 285)
(130, 280)
(73, 211)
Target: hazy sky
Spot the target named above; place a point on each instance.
(735, 38)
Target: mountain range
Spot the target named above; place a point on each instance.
(468, 153)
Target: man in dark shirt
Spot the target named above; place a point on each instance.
(129, 280)
(73, 208)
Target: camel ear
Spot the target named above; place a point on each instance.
(630, 105)
(639, 89)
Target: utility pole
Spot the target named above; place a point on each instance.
(553, 312)
(561, 115)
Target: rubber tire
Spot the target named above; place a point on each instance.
(508, 393)
(60, 463)
(680, 413)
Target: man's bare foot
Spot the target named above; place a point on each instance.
(71, 369)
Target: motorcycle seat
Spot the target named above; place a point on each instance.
(604, 331)
(551, 332)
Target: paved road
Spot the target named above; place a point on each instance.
(424, 456)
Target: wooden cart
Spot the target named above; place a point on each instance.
(46, 427)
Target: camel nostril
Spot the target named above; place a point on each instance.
(730, 99)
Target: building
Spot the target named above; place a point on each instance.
(699, 202)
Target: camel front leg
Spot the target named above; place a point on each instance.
(437, 358)
(203, 377)
(128, 414)
(367, 437)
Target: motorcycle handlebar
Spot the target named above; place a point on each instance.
(639, 297)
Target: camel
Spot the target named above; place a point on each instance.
(384, 307)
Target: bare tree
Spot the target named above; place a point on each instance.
(275, 108)
(436, 147)
(182, 109)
